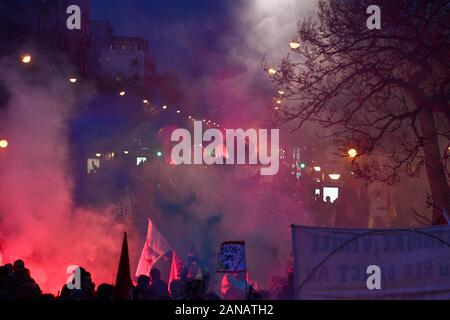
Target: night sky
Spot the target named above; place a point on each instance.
(216, 48)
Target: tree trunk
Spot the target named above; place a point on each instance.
(434, 166)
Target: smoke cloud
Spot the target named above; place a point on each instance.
(39, 222)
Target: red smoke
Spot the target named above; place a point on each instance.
(38, 220)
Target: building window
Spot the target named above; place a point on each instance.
(134, 62)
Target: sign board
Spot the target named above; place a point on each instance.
(232, 257)
(332, 263)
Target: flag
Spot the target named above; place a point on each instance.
(155, 247)
(175, 268)
(123, 278)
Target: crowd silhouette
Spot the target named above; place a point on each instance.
(16, 283)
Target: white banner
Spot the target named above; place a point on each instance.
(333, 263)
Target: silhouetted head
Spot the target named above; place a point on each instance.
(19, 265)
(177, 290)
(143, 281)
(104, 291)
(155, 274)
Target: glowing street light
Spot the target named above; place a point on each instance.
(278, 101)
(276, 108)
(352, 152)
(164, 107)
(145, 101)
(98, 154)
(73, 79)
(272, 71)
(317, 168)
(3, 143)
(281, 92)
(122, 93)
(126, 152)
(334, 176)
(26, 58)
(178, 111)
(294, 45)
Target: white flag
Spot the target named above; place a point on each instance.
(155, 247)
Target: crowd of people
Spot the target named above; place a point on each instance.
(16, 283)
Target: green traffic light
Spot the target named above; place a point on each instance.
(302, 165)
(159, 153)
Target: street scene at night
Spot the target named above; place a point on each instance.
(250, 150)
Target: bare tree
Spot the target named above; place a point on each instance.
(385, 92)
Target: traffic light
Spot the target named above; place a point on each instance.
(302, 165)
(159, 153)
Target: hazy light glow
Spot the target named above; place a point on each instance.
(317, 168)
(98, 154)
(272, 71)
(26, 58)
(122, 93)
(3, 143)
(164, 107)
(352, 152)
(294, 45)
(334, 176)
(73, 80)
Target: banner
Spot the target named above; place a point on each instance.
(334, 263)
(232, 257)
(155, 246)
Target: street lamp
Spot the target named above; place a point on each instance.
(334, 176)
(164, 107)
(122, 93)
(3, 143)
(317, 168)
(145, 101)
(73, 79)
(271, 71)
(26, 58)
(294, 45)
(352, 153)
